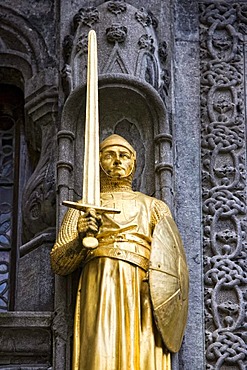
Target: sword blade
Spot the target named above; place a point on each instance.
(91, 176)
(91, 169)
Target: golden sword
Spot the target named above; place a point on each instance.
(91, 169)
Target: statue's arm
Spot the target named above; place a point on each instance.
(160, 210)
(67, 253)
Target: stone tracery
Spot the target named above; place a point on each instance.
(223, 181)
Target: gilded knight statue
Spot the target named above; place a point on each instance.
(132, 297)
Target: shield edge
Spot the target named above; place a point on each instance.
(171, 317)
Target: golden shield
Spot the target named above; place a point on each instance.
(169, 283)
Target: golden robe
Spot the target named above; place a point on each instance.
(114, 326)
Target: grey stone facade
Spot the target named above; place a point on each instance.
(172, 81)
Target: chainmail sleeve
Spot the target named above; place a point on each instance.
(160, 210)
(67, 253)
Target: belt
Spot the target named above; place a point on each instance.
(132, 238)
(120, 254)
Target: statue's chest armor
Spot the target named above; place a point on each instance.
(128, 206)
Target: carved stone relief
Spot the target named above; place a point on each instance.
(25, 338)
(24, 49)
(128, 49)
(224, 183)
(11, 127)
(39, 196)
(116, 7)
(127, 44)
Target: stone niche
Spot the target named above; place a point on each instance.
(131, 94)
(132, 103)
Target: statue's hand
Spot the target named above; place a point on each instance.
(89, 223)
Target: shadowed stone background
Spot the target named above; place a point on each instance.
(172, 81)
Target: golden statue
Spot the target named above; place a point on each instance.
(132, 298)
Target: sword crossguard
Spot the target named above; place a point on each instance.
(86, 207)
(90, 242)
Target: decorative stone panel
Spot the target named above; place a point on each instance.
(27, 45)
(25, 340)
(35, 280)
(127, 44)
(223, 28)
(39, 195)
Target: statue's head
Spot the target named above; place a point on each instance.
(117, 160)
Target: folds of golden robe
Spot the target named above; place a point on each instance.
(114, 322)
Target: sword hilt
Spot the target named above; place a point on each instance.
(90, 241)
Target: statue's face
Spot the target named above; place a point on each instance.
(117, 161)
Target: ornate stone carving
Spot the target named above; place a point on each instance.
(67, 47)
(154, 20)
(163, 51)
(165, 76)
(116, 33)
(143, 17)
(82, 44)
(66, 79)
(39, 195)
(138, 57)
(7, 139)
(4, 285)
(86, 16)
(165, 83)
(146, 18)
(66, 72)
(146, 42)
(116, 7)
(224, 184)
(147, 63)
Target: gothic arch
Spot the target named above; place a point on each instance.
(121, 97)
(22, 47)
